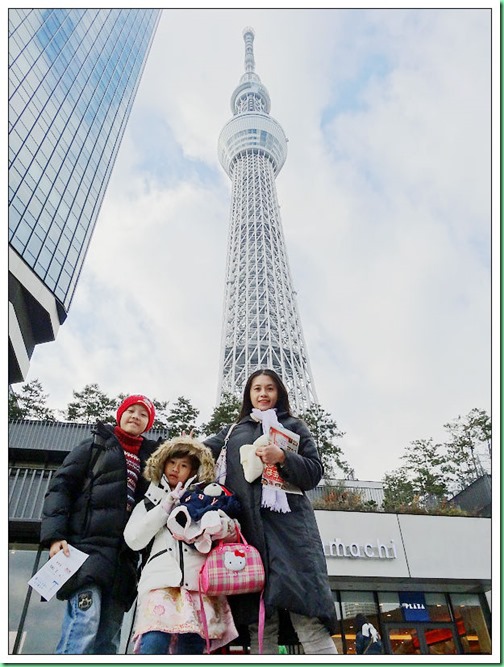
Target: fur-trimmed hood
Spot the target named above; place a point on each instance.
(186, 446)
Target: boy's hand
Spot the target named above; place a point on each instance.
(58, 546)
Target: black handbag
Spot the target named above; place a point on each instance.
(377, 645)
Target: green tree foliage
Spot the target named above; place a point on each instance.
(435, 472)
(421, 481)
(225, 413)
(398, 490)
(161, 419)
(182, 418)
(426, 463)
(30, 403)
(324, 431)
(91, 405)
(469, 448)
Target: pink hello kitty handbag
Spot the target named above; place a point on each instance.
(233, 568)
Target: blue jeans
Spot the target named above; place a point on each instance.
(158, 643)
(91, 624)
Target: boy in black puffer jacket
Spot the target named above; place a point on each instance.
(87, 506)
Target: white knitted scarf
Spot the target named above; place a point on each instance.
(273, 498)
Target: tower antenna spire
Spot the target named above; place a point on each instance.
(248, 36)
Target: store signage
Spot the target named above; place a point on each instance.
(368, 550)
(413, 606)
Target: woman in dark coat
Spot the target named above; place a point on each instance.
(286, 535)
(367, 637)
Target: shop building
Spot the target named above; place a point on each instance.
(423, 581)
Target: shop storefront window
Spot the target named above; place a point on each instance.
(43, 625)
(39, 631)
(390, 607)
(437, 607)
(36, 623)
(337, 637)
(353, 603)
(403, 641)
(470, 622)
(21, 562)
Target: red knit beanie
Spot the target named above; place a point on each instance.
(133, 400)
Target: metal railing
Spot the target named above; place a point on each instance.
(27, 488)
(368, 491)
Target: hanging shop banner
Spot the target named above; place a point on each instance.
(413, 606)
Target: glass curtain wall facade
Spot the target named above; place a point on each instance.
(73, 76)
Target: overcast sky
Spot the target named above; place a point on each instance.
(385, 204)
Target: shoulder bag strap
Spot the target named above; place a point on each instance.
(97, 449)
(220, 464)
(262, 618)
(228, 435)
(203, 617)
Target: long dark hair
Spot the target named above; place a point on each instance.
(282, 404)
(360, 620)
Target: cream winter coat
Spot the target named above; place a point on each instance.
(171, 563)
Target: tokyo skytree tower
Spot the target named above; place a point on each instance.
(261, 325)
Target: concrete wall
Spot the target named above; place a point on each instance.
(369, 544)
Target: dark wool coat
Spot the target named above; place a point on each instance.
(290, 544)
(89, 512)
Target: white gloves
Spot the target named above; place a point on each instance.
(174, 496)
(252, 464)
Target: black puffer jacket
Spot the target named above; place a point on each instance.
(290, 544)
(93, 520)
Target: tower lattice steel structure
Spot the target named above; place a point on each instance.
(261, 326)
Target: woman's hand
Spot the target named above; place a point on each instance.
(270, 454)
(58, 546)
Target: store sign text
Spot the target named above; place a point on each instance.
(339, 549)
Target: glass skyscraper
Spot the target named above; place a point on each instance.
(73, 76)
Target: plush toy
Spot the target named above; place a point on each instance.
(206, 512)
(202, 498)
(252, 465)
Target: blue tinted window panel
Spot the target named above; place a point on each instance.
(74, 74)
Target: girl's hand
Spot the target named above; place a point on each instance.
(172, 498)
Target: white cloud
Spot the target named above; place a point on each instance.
(385, 207)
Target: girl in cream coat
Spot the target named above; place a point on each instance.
(168, 618)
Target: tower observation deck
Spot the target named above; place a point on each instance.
(261, 325)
